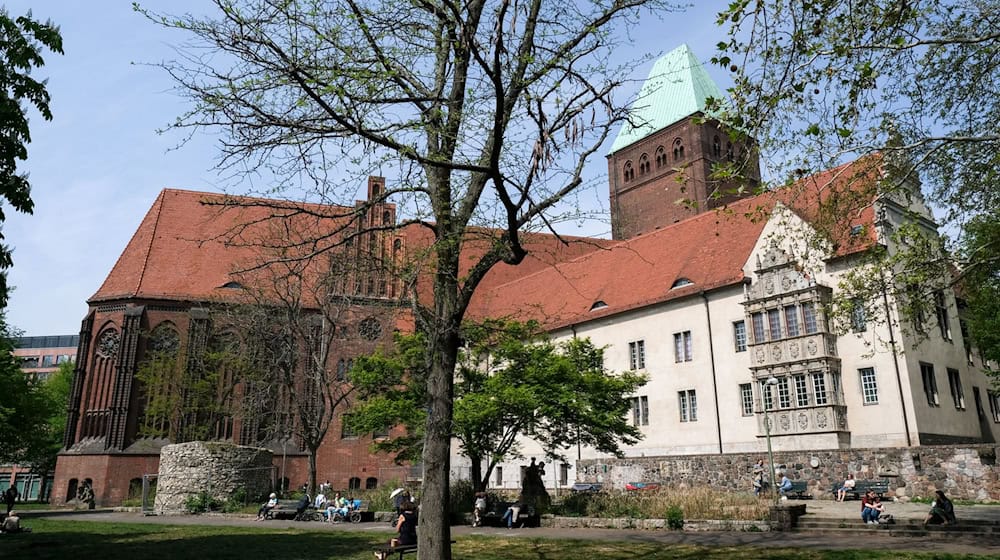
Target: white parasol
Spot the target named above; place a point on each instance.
(395, 493)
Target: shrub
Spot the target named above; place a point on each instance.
(675, 518)
(698, 503)
(200, 503)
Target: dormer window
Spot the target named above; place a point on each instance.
(643, 164)
(233, 285)
(599, 304)
(678, 149)
(681, 282)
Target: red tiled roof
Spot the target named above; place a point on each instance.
(708, 249)
(189, 245)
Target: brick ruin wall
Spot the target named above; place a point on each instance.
(220, 469)
(967, 472)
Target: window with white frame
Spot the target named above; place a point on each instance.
(801, 391)
(774, 324)
(955, 383)
(869, 385)
(792, 320)
(498, 476)
(640, 411)
(930, 384)
(740, 336)
(994, 399)
(746, 398)
(637, 354)
(784, 396)
(688, 404)
(819, 387)
(766, 396)
(809, 318)
(563, 474)
(682, 347)
(758, 328)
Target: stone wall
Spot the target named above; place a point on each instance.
(966, 472)
(187, 469)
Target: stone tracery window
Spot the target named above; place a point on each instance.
(370, 329)
(643, 164)
(661, 157)
(108, 344)
(678, 149)
(164, 339)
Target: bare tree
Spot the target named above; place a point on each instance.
(485, 110)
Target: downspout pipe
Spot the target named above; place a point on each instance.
(895, 364)
(711, 356)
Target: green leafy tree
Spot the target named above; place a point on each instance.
(913, 84)
(486, 110)
(25, 409)
(22, 41)
(982, 284)
(511, 383)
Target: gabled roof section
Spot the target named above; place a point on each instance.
(677, 87)
(702, 253)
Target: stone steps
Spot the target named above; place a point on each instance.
(902, 527)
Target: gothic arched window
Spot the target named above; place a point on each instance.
(716, 146)
(661, 157)
(628, 173)
(643, 164)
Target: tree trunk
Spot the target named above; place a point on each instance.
(476, 474)
(434, 527)
(312, 472)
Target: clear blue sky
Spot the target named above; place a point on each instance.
(98, 165)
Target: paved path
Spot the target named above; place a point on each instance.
(943, 542)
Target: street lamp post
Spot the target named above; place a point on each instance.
(771, 382)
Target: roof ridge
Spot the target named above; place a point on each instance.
(152, 238)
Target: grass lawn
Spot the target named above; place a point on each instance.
(64, 540)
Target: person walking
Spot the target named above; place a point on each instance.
(10, 496)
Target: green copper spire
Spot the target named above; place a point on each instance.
(677, 87)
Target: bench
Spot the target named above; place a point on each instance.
(495, 511)
(861, 487)
(387, 551)
(798, 490)
(289, 509)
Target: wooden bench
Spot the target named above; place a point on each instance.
(798, 490)
(861, 487)
(289, 509)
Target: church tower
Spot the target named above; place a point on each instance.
(660, 164)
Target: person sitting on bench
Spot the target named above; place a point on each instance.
(785, 486)
(406, 526)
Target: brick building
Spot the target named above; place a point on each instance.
(711, 305)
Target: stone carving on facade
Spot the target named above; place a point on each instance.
(107, 346)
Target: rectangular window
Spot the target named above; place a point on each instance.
(792, 320)
(640, 411)
(957, 394)
(563, 474)
(682, 347)
(746, 398)
(859, 322)
(994, 399)
(784, 396)
(964, 329)
(637, 354)
(688, 404)
(801, 391)
(498, 477)
(766, 396)
(819, 387)
(28, 362)
(740, 336)
(869, 385)
(930, 384)
(48, 361)
(941, 310)
(809, 317)
(774, 324)
(63, 358)
(758, 328)
(380, 434)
